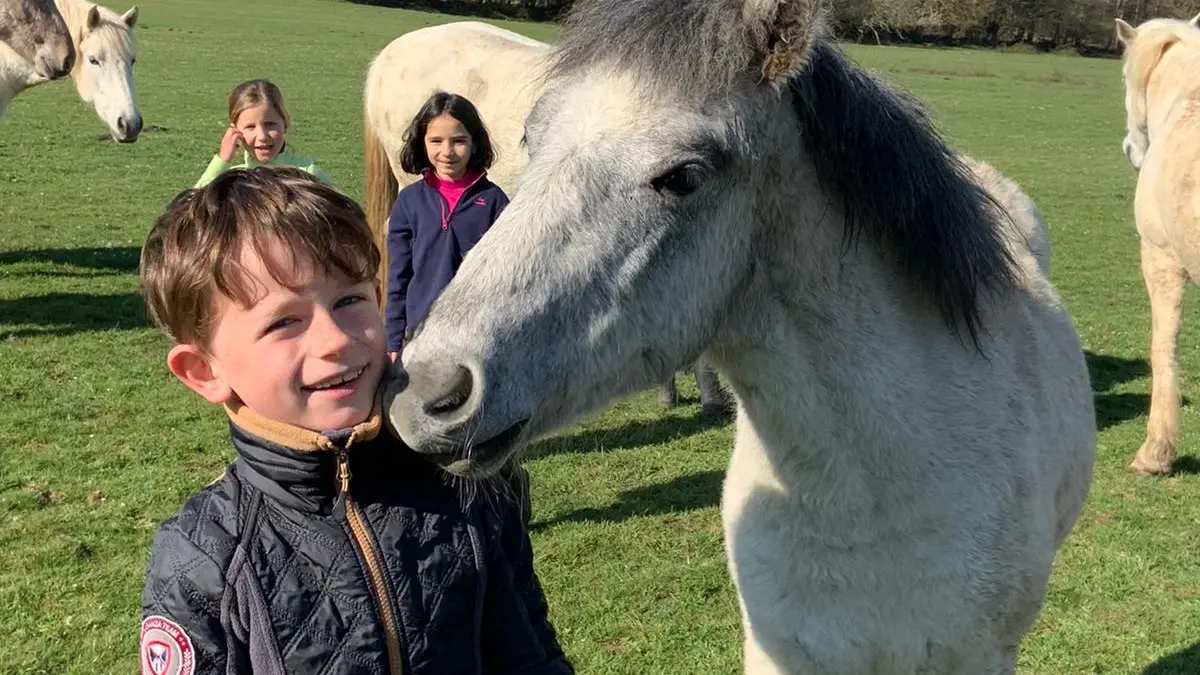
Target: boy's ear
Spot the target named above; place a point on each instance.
(193, 368)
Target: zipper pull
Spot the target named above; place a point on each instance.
(343, 481)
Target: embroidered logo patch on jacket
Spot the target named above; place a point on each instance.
(165, 648)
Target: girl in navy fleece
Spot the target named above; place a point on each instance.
(438, 219)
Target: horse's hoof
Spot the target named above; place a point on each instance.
(1153, 459)
(1137, 468)
(668, 397)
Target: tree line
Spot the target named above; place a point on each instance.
(1085, 26)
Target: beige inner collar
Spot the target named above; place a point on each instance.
(299, 438)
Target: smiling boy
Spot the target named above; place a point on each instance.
(327, 546)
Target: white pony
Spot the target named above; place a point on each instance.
(35, 46)
(1161, 62)
(915, 432)
(497, 69)
(106, 49)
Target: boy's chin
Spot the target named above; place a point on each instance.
(341, 419)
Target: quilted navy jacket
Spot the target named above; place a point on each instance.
(344, 553)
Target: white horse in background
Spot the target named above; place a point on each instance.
(500, 72)
(915, 432)
(35, 46)
(106, 49)
(1161, 62)
(497, 69)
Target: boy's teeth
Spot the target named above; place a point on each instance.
(342, 380)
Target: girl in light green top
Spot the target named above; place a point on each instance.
(258, 123)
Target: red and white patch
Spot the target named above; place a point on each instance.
(165, 648)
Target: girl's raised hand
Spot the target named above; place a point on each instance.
(229, 143)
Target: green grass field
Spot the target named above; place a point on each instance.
(98, 443)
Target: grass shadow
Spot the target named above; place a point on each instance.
(1183, 662)
(686, 493)
(631, 435)
(1107, 372)
(1115, 409)
(1186, 466)
(58, 314)
(117, 259)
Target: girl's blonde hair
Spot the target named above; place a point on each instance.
(256, 92)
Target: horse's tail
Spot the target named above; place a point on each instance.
(382, 189)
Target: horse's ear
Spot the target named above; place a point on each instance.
(1195, 20)
(781, 33)
(1125, 32)
(130, 17)
(93, 18)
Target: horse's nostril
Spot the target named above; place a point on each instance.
(458, 390)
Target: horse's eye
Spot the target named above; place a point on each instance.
(93, 60)
(131, 62)
(680, 181)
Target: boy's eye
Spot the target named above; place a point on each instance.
(280, 324)
(349, 300)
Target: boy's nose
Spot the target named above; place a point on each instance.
(330, 338)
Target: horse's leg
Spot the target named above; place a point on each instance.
(668, 393)
(714, 400)
(1165, 280)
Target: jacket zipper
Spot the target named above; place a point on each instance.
(442, 202)
(474, 528)
(358, 531)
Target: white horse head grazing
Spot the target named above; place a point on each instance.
(35, 31)
(105, 49)
(915, 432)
(103, 74)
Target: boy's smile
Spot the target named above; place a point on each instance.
(309, 353)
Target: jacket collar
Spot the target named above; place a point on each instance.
(295, 466)
(301, 440)
(429, 178)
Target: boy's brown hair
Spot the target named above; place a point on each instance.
(256, 92)
(194, 248)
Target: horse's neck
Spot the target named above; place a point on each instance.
(14, 76)
(833, 358)
(1171, 84)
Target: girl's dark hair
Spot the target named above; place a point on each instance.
(412, 156)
